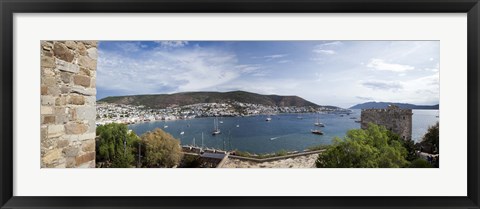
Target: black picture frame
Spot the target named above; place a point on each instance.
(10, 7)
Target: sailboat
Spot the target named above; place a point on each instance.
(318, 132)
(216, 130)
(318, 123)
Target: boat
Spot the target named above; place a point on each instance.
(268, 119)
(318, 132)
(238, 126)
(181, 133)
(318, 123)
(358, 121)
(216, 130)
(221, 121)
(165, 126)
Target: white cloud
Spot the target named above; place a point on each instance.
(324, 51)
(129, 46)
(172, 44)
(284, 61)
(160, 72)
(383, 85)
(379, 64)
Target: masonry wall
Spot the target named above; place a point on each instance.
(393, 118)
(68, 70)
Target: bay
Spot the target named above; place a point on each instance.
(290, 132)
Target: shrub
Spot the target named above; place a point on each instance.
(161, 149)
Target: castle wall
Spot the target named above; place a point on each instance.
(394, 119)
(68, 70)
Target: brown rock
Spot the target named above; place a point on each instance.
(44, 90)
(76, 100)
(60, 101)
(93, 83)
(62, 52)
(75, 128)
(81, 80)
(70, 162)
(87, 62)
(81, 49)
(65, 89)
(47, 62)
(89, 146)
(90, 43)
(73, 114)
(85, 158)
(62, 143)
(49, 81)
(51, 156)
(66, 77)
(71, 151)
(48, 119)
(84, 71)
(70, 44)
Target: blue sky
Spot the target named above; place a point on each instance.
(340, 73)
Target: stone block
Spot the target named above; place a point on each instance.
(62, 52)
(86, 113)
(66, 66)
(76, 100)
(88, 146)
(84, 71)
(93, 83)
(92, 53)
(51, 156)
(87, 136)
(48, 100)
(64, 89)
(90, 156)
(48, 119)
(46, 110)
(70, 162)
(70, 44)
(75, 128)
(62, 143)
(84, 91)
(87, 62)
(49, 81)
(46, 61)
(53, 90)
(43, 90)
(55, 131)
(81, 49)
(60, 101)
(47, 72)
(66, 77)
(71, 151)
(90, 43)
(81, 80)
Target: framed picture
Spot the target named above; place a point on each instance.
(264, 104)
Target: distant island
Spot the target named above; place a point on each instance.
(161, 101)
(382, 105)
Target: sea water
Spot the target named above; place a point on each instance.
(254, 134)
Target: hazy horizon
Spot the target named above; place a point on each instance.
(338, 73)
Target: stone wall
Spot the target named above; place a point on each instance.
(68, 70)
(393, 118)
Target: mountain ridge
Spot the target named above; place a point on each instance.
(188, 98)
(382, 105)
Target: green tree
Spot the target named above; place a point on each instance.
(374, 147)
(430, 141)
(115, 145)
(161, 149)
(420, 163)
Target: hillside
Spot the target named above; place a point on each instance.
(188, 98)
(382, 105)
